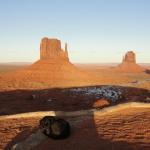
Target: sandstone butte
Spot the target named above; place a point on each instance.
(129, 63)
(53, 69)
(51, 49)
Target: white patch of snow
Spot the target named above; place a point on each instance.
(109, 92)
(49, 100)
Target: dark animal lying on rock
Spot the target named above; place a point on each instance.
(55, 128)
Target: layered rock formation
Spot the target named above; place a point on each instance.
(51, 49)
(129, 57)
(129, 63)
(52, 70)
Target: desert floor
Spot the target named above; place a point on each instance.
(125, 129)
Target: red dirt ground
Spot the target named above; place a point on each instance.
(127, 129)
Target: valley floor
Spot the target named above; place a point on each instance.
(126, 129)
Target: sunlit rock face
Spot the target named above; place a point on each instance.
(129, 57)
(51, 49)
(53, 69)
(129, 63)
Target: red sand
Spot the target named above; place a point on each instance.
(126, 129)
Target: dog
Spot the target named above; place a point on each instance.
(55, 128)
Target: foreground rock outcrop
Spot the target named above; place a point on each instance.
(129, 63)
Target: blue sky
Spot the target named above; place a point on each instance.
(96, 30)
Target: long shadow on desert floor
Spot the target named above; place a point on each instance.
(147, 71)
(68, 99)
(125, 129)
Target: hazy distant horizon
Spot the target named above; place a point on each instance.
(98, 31)
(75, 63)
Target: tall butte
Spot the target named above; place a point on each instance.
(52, 56)
(53, 69)
(129, 63)
(51, 49)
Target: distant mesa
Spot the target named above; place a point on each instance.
(53, 69)
(51, 49)
(129, 63)
(129, 57)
